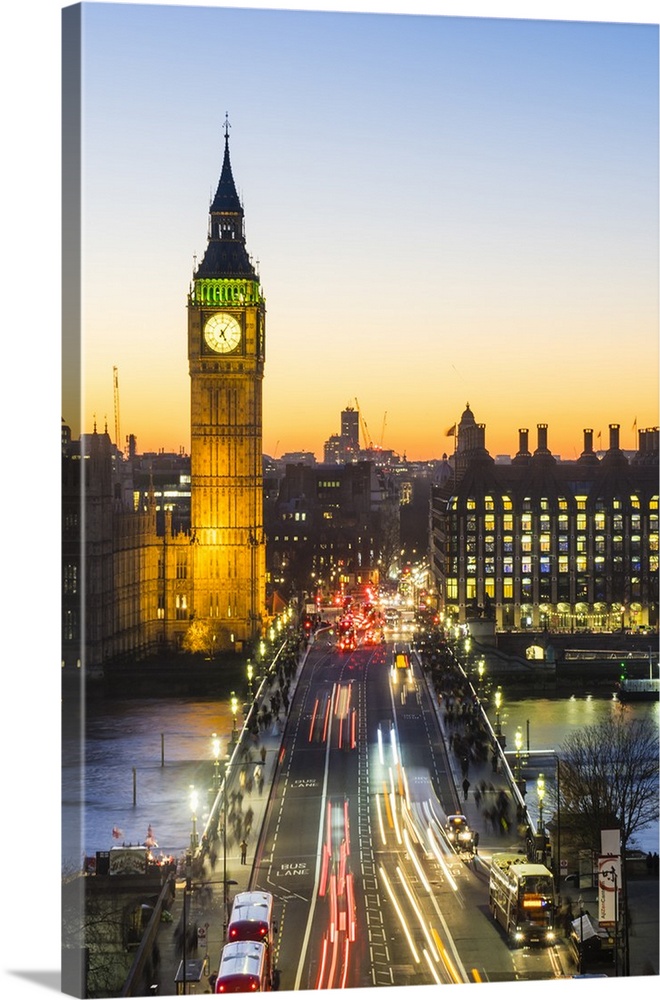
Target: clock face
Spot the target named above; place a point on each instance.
(222, 333)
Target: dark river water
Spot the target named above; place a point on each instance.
(142, 756)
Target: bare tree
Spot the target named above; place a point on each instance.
(609, 778)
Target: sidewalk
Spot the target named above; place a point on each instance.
(643, 892)
(204, 904)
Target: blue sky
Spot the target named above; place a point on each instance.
(436, 203)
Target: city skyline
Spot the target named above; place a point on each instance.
(33, 194)
(519, 273)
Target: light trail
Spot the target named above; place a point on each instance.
(432, 968)
(380, 820)
(394, 810)
(415, 860)
(311, 727)
(399, 913)
(441, 860)
(418, 913)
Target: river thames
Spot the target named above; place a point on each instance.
(143, 754)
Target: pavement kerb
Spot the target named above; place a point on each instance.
(206, 909)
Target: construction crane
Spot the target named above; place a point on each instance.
(368, 443)
(115, 383)
(382, 430)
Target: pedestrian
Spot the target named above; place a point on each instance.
(263, 754)
(244, 851)
(466, 787)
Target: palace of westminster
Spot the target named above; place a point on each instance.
(157, 548)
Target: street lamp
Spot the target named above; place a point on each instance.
(234, 710)
(540, 791)
(224, 851)
(481, 670)
(498, 705)
(194, 839)
(519, 743)
(250, 674)
(215, 744)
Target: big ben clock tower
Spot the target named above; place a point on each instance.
(226, 349)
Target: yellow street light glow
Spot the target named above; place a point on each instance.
(193, 798)
(498, 699)
(540, 787)
(519, 739)
(215, 743)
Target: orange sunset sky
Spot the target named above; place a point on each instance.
(468, 211)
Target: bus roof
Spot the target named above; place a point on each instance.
(252, 906)
(519, 864)
(242, 958)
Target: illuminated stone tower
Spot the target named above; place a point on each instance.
(226, 350)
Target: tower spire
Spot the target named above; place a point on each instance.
(226, 255)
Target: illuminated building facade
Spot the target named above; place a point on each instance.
(226, 353)
(540, 543)
(151, 549)
(332, 527)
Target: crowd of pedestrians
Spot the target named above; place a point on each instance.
(271, 711)
(469, 737)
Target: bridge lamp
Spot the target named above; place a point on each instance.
(194, 839)
(540, 791)
(498, 706)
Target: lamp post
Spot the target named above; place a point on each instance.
(481, 669)
(234, 710)
(498, 706)
(580, 962)
(224, 853)
(540, 791)
(250, 675)
(194, 839)
(519, 743)
(215, 744)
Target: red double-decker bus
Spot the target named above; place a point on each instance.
(252, 918)
(244, 968)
